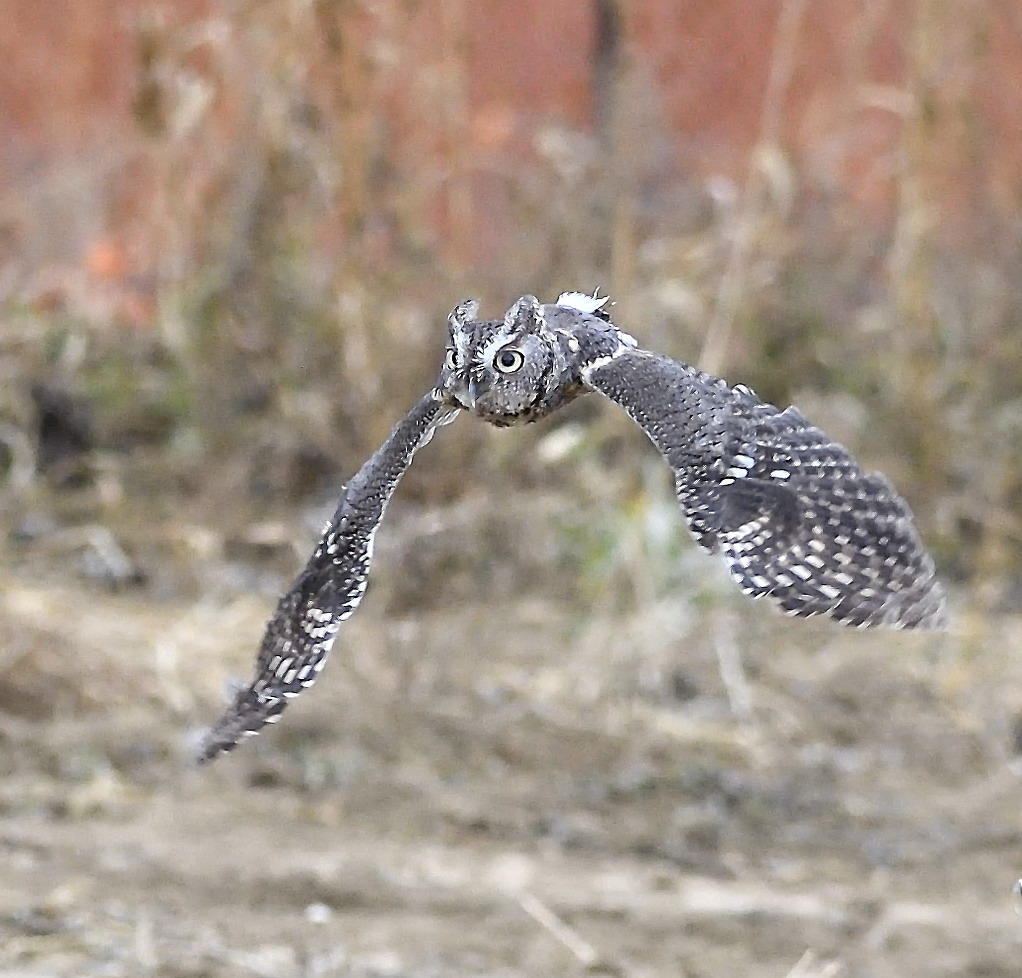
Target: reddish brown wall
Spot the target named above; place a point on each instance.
(443, 80)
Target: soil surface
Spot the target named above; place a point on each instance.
(688, 786)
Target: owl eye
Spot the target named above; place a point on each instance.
(509, 360)
(450, 361)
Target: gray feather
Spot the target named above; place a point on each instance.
(300, 634)
(792, 513)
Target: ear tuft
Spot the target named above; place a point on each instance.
(524, 315)
(463, 313)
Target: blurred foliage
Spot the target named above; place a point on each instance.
(271, 288)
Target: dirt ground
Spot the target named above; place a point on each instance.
(682, 784)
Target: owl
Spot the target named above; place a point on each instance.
(794, 517)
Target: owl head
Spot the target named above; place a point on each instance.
(519, 369)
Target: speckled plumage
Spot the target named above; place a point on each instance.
(791, 512)
(300, 634)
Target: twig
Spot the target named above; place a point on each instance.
(732, 669)
(809, 966)
(557, 928)
(732, 282)
(145, 942)
(22, 466)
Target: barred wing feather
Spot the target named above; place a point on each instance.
(792, 513)
(300, 634)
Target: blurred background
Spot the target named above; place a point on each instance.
(555, 740)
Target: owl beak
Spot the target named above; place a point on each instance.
(465, 395)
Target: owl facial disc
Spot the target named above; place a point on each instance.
(520, 368)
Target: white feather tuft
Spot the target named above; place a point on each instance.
(582, 302)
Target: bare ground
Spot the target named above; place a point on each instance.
(689, 786)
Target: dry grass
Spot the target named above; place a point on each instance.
(304, 271)
(506, 786)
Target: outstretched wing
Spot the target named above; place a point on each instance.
(299, 635)
(792, 513)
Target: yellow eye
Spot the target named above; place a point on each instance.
(509, 360)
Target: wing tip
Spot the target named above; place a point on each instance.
(922, 610)
(935, 619)
(210, 749)
(216, 740)
(249, 713)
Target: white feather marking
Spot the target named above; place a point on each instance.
(588, 369)
(582, 302)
